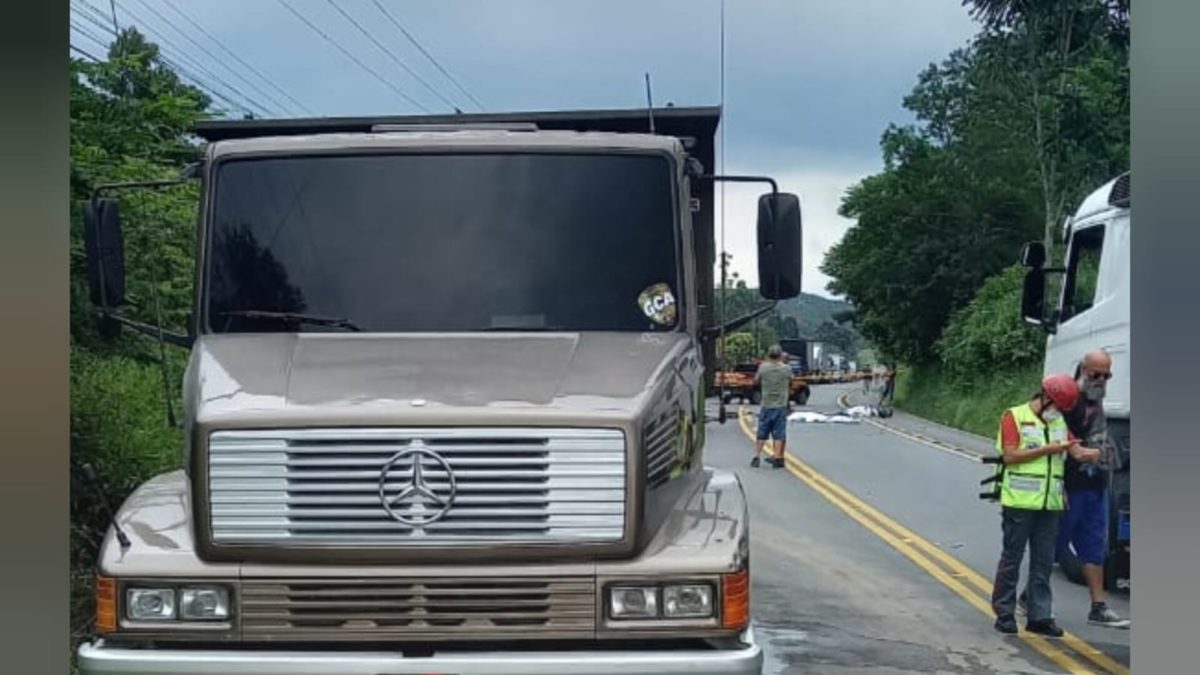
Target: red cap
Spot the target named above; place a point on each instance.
(1061, 390)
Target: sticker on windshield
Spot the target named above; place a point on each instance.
(658, 303)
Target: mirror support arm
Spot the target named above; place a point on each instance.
(177, 339)
(741, 179)
(157, 332)
(714, 332)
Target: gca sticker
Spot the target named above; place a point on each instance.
(658, 303)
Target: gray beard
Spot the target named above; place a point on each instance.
(1092, 392)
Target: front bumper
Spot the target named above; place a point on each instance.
(97, 658)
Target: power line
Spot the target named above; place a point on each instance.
(212, 56)
(352, 57)
(87, 34)
(247, 102)
(239, 59)
(84, 53)
(392, 55)
(199, 82)
(180, 71)
(429, 56)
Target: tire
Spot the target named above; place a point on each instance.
(728, 398)
(801, 396)
(755, 397)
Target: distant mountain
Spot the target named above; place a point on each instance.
(810, 311)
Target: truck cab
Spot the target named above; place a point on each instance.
(444, 409)
(1091, 312)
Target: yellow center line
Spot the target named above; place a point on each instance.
(979, 581)
(912, 545)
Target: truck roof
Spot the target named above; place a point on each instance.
(471, 138)
(1112, 195)
(699, 123)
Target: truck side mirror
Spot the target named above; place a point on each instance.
(1033, 297)
(780, 256)
(104, 247)
(1033, 255)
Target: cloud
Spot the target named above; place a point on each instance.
(820, 192)
(810, 84)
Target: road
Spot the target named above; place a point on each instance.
(871, 553)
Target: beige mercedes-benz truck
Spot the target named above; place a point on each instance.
(445, 405)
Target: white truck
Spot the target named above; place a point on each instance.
(1093, 312)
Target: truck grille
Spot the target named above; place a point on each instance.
(425, 609)
(443, 486)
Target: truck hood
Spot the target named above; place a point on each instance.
(391, 378)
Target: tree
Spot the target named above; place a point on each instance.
(130, 119)
(1011, 132)
(737, 348)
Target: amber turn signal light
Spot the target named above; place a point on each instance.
(735, 600)
(106, 605)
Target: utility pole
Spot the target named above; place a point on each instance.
(112, 4)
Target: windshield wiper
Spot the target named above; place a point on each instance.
(523, 329)
(296, 317)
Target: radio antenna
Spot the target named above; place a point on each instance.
(649, 103)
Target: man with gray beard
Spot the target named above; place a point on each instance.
(1084, 524)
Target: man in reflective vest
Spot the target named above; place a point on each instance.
(1032, 440)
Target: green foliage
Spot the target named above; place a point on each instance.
(130, 120)
(118, 425)
(737, 348)
(1012, 132)
(988, 334)
(974, 404)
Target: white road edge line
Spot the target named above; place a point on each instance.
(956, 452)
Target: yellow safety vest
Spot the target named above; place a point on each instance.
(1036, 485)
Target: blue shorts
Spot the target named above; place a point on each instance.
(1084, 526)
(772, 423)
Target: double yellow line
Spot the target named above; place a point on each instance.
(951, 572)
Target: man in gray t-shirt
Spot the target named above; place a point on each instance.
(774, 377)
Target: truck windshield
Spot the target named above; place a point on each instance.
(443, 243)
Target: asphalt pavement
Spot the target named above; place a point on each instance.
(871, 553)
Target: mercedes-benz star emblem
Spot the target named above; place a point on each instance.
(409, 494)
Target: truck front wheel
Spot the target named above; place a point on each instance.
(801, 396)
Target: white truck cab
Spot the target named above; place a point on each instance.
(1093, 312)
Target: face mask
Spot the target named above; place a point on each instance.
(1051, 415)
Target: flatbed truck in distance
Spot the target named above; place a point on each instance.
(444, 405)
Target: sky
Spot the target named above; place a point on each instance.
(809, 85)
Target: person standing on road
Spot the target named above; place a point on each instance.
(774, 377)
(1084, 525)
(889, 385)
(1031, 441)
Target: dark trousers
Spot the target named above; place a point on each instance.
(1038, 530)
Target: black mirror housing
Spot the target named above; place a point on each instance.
(1033, 255)
(104, 247)
(780, 246)
(1033, 297)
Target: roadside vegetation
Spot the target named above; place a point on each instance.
(130, 120)
(1011, 132)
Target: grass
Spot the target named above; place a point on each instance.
(975, 406)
